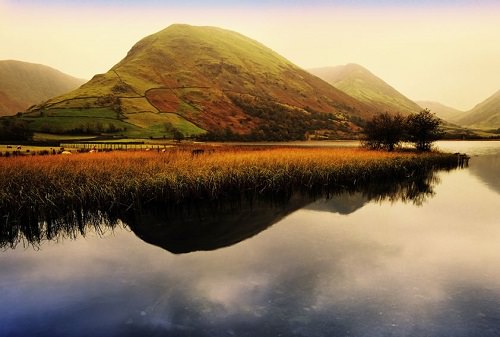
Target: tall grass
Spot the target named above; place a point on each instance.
(101, 181)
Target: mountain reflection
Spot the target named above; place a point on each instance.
(487, 167)
(207, 225)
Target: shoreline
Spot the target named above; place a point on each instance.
(51, 185)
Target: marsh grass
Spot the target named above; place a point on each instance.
(49, 186)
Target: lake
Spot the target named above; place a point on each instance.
(417, 259)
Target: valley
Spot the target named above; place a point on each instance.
(208, 83)
(251, 168)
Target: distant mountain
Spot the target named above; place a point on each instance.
(24, 84)
(442, 111)
(199, 79)
(361, 84)
(8, 105)
(485, 115)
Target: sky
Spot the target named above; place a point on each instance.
(446, 51)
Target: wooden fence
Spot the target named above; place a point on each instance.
(112, 146)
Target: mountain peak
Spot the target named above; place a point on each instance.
(353, 66)
(202, 78)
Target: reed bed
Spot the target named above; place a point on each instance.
(129, 179)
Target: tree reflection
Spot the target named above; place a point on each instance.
(209, 225)
(415, 190)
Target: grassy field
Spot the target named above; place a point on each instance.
(40, 136)
(69, 122)
(55, 185)
(25, 149)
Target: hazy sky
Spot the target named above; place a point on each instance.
(449, 52)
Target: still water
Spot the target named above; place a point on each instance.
(422, 262)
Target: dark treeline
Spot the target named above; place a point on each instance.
(89, 128)
(14, 129)
(282, 123)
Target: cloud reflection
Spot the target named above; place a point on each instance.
(389, 268)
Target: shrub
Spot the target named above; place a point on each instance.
(423, 129)
(387, 131)
(384, 131)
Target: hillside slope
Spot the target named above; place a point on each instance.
(361, 84)
(485, 115)
(202, 79)
(444, 112)
(24, 84)
(8, 105)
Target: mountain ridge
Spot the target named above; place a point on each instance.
(485, 115)
(443, 111)
(363, 85)
(23, 84)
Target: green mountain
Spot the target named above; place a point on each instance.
(485, 115)
(442, 111)
(24, 84)
(204, 79)
(361, 84)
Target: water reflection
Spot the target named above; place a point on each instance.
(487, 168)
(27, 230)
(217, 225)
(485, 161)
(366, 262)
(344, 204)
(387, 269)
(209, 225)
